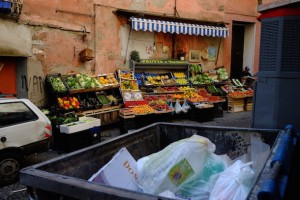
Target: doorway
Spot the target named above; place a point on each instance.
(242, 48)
(8, 81)
(237, 50)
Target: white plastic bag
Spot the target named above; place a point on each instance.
(199, 187)
(171, 106)
(234, 183)
(172, 166)
(185, 107)
(258, 147)
(178, 108)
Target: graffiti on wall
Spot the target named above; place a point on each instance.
(34, 84)
(35, 87)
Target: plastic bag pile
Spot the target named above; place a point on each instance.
(189, 169)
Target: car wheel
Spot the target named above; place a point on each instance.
(10, 165)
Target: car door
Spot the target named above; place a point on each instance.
(18, 124)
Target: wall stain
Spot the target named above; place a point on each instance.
(160, 3)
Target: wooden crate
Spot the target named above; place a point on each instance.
(248, 106)
(114, 115)
(86, 55)
(248, 103)
(236, 108)
(236, 101)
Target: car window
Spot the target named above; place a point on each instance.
(15, 113)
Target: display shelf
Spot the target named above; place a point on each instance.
(163, 65)
(161, 69)
(93, 89)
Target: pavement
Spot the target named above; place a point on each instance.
(17, 191)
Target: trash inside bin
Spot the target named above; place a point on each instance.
(67, 176)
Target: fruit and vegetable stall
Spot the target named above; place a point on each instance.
(149, 91)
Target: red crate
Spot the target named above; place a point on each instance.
(129, 104)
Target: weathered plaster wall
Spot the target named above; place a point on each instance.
(15, 39)
(57, 28)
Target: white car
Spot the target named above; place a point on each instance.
(24, 130)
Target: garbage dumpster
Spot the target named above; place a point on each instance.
(66, 177)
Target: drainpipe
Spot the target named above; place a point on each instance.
(95, 39)
(173, 34)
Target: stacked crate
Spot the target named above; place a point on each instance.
(248, 104)
(127, 120)
(236, 104)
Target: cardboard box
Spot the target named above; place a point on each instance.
(120, 171)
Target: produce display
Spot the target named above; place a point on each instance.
(130, 104)
(183, 88)
(88, 102)
(215, 90)
(195, 69)
(72, 82)
(180, 78)
(222, 73)
(167, 79)
(209, 97)
(168, 89)
(189, 95)
(150, 98)
(113, 99)
(241, 94)
(87, 81)
(193, 96)
(179, 75)
(57, 84)
(203, 78)
(68, 103)
(212, 89)
(236, 82)
(124, 74)
(142, 109)
(108, 79)
(127, 96)
(132, 96)
(152, 79)
(103, 99)
(164, 88)
(137, 95)
(59, 120)
(155, 101)
(181, 81)
(129, 84)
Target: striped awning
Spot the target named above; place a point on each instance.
(176, 27)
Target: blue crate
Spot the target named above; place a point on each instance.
(5, 7)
